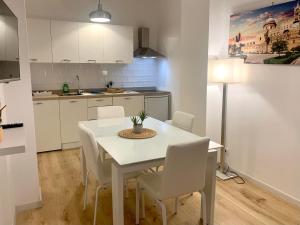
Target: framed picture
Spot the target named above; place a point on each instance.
(268, 35)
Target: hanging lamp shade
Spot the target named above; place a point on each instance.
(99, 15)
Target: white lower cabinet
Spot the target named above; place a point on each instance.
(157, 107)
(47, 125)
(94, 103)
(71, 112)
(133, 105)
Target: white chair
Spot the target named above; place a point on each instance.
(184, 172)
(101, 169)
(109, 112)
(182, 120)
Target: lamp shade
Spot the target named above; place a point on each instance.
(100, 15)
(224, 70)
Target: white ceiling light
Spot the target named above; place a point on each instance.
(99, 15)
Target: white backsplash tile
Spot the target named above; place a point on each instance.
(47, 76)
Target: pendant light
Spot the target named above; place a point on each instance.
(99, 15)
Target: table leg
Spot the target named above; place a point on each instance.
(210, 186)
(83, 166)
(117, 195)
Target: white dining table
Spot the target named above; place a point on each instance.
(137, 155)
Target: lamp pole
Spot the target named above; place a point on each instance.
(223, 128)
(222, 173)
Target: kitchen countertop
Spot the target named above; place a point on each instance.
(100, 95)
(13, 142)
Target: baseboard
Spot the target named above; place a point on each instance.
(290, 199)
(31, 205)
(72, 145)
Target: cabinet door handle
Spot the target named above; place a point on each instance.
(99, 100)
(33, 60)
(66, 60)
(127, 98)
(92, 60)
(73, 101)
(38, 103)
(119, 61)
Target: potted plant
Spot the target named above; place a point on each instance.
(138, 122)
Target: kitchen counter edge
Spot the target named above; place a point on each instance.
(57, 97)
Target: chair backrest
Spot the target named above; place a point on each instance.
(109, 112)
(183, 120)
(185, 168)
(92, 153)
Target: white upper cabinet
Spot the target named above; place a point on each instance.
(9, 42)
(39, 40)
(71, 42)
(90, 43)
(118, 44)
(2, 37)
(65, 42)
(12, 40)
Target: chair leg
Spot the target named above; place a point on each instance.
(137, 204)
(143, 204)
(85, 190)
(176, 206)
(163, 211)
(203, 208)
(96, 204)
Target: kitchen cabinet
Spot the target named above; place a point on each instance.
(65, 42)
(2, 37)
(94, 103)
(9, 42)
(133, 105)
(71, 112)
(39, 38)
(118, 44)
(157, 107)
(12, 40)
(47, 125)
(72, 42)
(90, 43)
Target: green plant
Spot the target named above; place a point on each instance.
(143, 116)
(138, 120)
(135, 120)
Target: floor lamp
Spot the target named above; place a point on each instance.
(225, 72)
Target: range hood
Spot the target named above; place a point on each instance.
(143, 50)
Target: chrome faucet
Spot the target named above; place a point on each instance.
(79, 91)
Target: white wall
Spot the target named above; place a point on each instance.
(183, 37)
(263, 113)
(24, 173)
(142, 73)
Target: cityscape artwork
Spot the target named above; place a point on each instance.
(268, 35)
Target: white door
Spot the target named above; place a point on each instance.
(118, 44)
(39, 38)
(47, 125)
(157, 107)
(90, 43)
(64, 42)
(71, 112)
(133, 105)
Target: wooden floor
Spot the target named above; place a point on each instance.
(62, 191)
